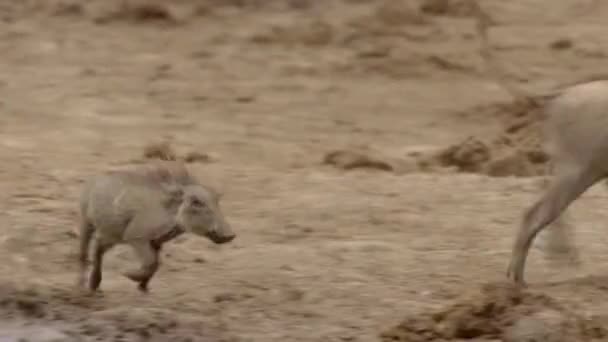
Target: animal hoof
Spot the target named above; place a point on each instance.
(517, 280)
(93, 293)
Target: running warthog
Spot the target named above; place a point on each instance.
(144, 207)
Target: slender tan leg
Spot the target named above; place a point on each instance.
(559, 238)
(566, 187)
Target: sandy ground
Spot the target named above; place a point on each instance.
(265, 90)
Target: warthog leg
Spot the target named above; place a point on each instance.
(150, 261)
(567, 186)
(86, 234)
(100, 249)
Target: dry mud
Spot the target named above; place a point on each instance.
(374, 174)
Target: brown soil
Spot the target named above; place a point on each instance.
(353, 141)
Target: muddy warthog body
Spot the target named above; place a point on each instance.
(577, 139)
(144, 207)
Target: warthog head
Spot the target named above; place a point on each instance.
(199, 213)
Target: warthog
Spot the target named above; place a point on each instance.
(577, 140)
(145, 207)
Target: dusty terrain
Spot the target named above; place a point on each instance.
(373, 172)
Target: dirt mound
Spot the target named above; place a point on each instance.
(161, 150)
(73, 316)
(516, 151)
(143, 12)
(499, 311)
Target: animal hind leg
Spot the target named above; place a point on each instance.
(564, 190)
(149, 257)
(560, 245)
(559, 238)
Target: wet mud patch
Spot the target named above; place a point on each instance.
(503, 312)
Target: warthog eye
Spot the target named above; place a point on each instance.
(197, 203)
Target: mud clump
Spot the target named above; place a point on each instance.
(161, 150)
(197, 157)
(562, 44)
(499, 312)
(514, 163)
(348, 160)
(496, 159)
(516, 151)
(165, 151)
(468, 156)
(141, 12)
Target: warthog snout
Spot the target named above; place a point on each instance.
(223, 232)
(219, 238)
